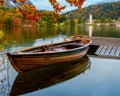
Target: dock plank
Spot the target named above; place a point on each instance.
(105, 41)
(99, 50)
(103, 50)
(117, 52)
(113, 51)
(108, 50)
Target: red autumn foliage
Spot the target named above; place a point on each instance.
(29, 10)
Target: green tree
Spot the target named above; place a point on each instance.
(8, 22)
(72, 22)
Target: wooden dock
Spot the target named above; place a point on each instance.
(105, 41)
(107, 47)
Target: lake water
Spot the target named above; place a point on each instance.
(88, 77)
(18, 38)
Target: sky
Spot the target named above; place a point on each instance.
(45, 5)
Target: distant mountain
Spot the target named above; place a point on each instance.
(108, 1)
(100, 2)
(105, 10)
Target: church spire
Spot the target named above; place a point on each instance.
(90, 18)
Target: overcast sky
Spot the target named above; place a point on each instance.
(45, 5)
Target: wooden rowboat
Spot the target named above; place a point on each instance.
(57, 53)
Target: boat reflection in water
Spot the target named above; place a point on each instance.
(48, 76)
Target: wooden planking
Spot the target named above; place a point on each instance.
(113, 51)
(50, 59)
(118, 52)
(103, 50)
(105, 41)
(99, 50)
(108, 51)
(34, 62)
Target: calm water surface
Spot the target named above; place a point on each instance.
(100, 78)
(18, 38)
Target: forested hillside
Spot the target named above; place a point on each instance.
(99, 11)
(13, 17)
(102, 13)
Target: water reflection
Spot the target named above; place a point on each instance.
(118, 29)
(47, 76)
(5, 77)
(90, 30)
(19, 37)
(106, 31)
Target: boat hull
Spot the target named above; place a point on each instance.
(27, 62)
(48, 76)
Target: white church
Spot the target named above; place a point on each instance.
(90, 20)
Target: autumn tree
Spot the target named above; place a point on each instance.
(8, 22)
(29, 11)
